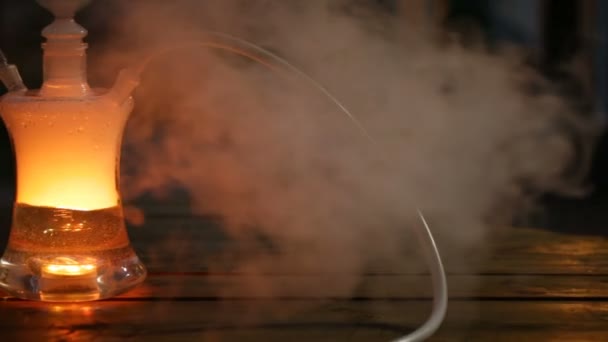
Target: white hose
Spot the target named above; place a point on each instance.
(440, 285)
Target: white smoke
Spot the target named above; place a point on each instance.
(456, 132)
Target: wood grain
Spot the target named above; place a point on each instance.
(302, 320)
(199, 245)
(400, 287)
(529, 285)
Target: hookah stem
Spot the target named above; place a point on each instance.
(431, 252)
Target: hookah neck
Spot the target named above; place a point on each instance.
(65, 58)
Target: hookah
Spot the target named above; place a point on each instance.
(68, 241)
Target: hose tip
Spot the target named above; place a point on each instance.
(3, 59)
(9, 75)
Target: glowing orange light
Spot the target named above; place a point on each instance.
(67, 159)
(69, 270)
(82, 310)
(64, 266)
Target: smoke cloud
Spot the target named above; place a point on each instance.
(469, 136)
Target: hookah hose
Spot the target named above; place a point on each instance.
(440, 285)
(221, 41)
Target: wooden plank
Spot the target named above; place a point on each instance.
(199, 244)
(302, 320)
(202, 261)
(367, 287)
(512, 240)
(372, 287)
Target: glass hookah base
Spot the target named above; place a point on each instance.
(70, 278)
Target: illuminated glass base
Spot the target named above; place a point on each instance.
(61, 255)
(74, 278)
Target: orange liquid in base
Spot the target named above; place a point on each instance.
(43, 229)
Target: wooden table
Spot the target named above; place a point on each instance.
(533, 285)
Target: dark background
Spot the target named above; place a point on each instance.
(567, 30)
